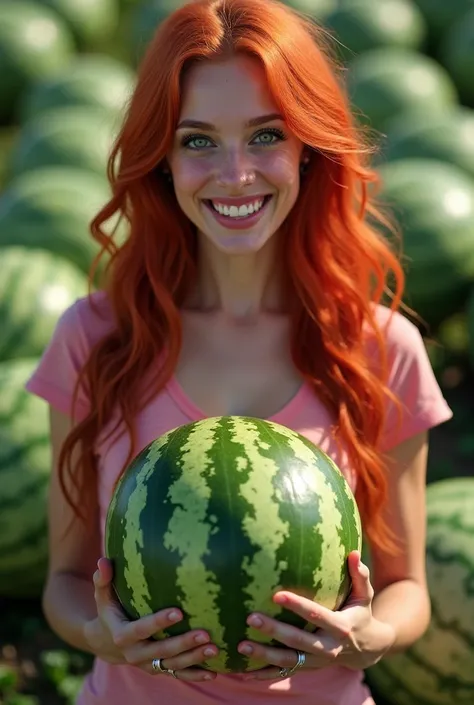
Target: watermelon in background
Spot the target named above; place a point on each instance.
(439, 668)
(90, 21)
(35, 288)
(145, 19)
(217, 515)
(447, 137)
(8, 137)
(34, 43)
(385, 82)
(25, 464)
(51, 209)
(81, 138)
(440, 15)
(317, 9)
(457, 55)
(434, 206)
(470, 326)
(90, 80)
(361, 25)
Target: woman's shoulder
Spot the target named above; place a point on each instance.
(401, 335)
(89, 318)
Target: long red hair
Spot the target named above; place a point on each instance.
(337, 263)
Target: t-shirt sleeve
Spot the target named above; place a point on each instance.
(55, 377)
(413, 381)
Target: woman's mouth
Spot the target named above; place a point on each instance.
(242, 214)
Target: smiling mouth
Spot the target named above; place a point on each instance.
(237, 213)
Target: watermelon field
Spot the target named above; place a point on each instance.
(67, 68)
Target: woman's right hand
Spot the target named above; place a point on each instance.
(115, 639)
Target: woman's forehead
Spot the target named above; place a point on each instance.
(235, 89)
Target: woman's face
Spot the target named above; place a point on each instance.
(235, 165)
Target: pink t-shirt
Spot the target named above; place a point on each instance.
(411, 378)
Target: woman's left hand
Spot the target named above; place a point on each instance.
(351, 637)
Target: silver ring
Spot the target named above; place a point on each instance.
(301, 659)
(156, 665)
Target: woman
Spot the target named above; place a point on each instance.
(250, 283)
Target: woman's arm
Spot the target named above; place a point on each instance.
(401, 595)
(68, 598)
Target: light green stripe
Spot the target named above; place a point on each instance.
(265, 529)
(133, 540)
(189, 531)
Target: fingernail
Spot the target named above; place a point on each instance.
(208, 677)
(280, 599)
(255, 621)
(174, 616)
(209, 652)
(201, 638)
(245, 649)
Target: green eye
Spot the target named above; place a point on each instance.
(270, 136)
(196, 142)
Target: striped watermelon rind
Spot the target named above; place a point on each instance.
(230, 491)
(439, 668)
(25, 464)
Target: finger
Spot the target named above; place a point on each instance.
(322, 652)
(186, 674)
(196, 657)
(332, 622)
(144, 651)
(127, 633)
(362, 591)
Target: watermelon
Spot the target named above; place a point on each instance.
(367, 24)
(434, 206)
(470, 326)
(457, 55)
(90, 21)
(92, 81)
(145, 19)
(75, 137)
(439, 668)
(445, 137)
(35, 288)
(217, 515)
(317, 9)
(387, 81)
(34, 43)
(25, 464)
(440, 15)
(51, 209)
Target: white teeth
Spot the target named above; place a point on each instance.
(238, 212)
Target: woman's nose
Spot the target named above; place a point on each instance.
(235, 172)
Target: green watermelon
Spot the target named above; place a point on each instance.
(25, 464)
(317, 9)
(387, 81)
(145, 19)
(34, 43)
(445, 137)
(90, 21)
(35, 288)
(217, 515)
(81, 138)
(470, 326)
(440, 15)
(439, 668)
(361, 25)
(434, 205)
(51, 209)
(457, 55)
(92, 81)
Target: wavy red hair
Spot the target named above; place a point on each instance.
(337, 264)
